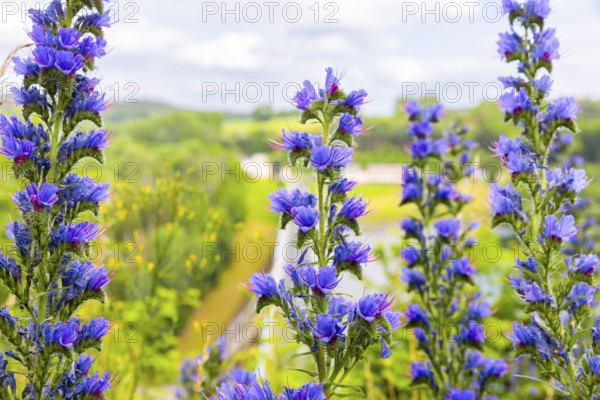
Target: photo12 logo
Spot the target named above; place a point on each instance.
(270, 12)
(125, 12)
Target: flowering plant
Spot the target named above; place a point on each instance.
(46, 269)
(557, 289)
(437, 267)
(336, 330)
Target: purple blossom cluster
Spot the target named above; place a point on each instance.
(243, 389)
(554, 279)
(46, 268)
(438, 271)
(337, 330)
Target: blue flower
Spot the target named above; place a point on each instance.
(339, 307)
(412, 187)
(506, 146)
(594, 362)
(38, 198)
(585, 264)
(25, 67)
(350, 125)
(546, 46)
(94, 331)
(305, 97)
(421, 148)
(236, 391)
(515, 102)
(464, 394)
(241, 376)
(416, 316)
(538, 8)
(564, 109)
(462, 267)
(353, 208)
(68, 38)
(509, 45)
(21, 235)
(341, 157)
(596, 333)
(420, 129)
(322, 281)
(530, 264)
(263, 285)
(412, 228)
(310, 391)
(559, 230)
(83, 364)
(410, 255)
(321, 157)
(422, 373)
(10, 267)
(373, 306)
(95, 20)
(533, 293)
(413, 109)
(567, 180)
(49, 16)
(414, 278)
(542, 85)
(296, 141)
(434, 112)
(7, 318)
(479, 310)
(75, 235)
(328, 329)
(356, 99)
(332, 83)
(421, 336)
(44, 56)
(510, 6)
(505, 201)
(351, 255)
(79, 277)
(342, 186)
(63, 334)
(79, 190)
(471, 334)
(28, 97)
(582, 294)
(92, 47)
(41, 36)
(67, 62)
(448, 229)
(94, 385)
(305, 217)
(93, 103)
(534, 338)
(283, 201)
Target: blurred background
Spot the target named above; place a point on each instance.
(199, 88)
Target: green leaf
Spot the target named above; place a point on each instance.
(292, 358)
(576, 337)
(542, 382)
(309, 373)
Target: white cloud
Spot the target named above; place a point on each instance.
(231, 51)
(402, 69)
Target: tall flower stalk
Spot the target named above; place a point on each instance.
(46, 270)
(336, 330)
(447, 311)
(558, 290)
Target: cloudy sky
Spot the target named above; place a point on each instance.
(234, 55)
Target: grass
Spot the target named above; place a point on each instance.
(255, 243)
